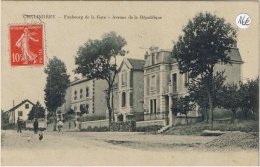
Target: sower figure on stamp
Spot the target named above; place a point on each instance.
(35, 125)
(23, 43)
(19, 125)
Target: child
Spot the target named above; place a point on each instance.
(60, 125)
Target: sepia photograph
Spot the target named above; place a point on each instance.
(131, 83)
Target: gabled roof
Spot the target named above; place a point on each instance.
(137, 64)
(15, 107)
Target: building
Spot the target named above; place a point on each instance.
(163, 83)
(21, 110)
(85, 97)
(128, 90)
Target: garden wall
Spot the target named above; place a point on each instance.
(150, 123)
(41, 123)
(92, 124)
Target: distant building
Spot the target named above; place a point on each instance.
(85, 97)
(128, 90)
(21, 110)
(163, 83)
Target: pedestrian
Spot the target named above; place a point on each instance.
(19, 128)
(69, 124)
(60, 126)
(35, 125)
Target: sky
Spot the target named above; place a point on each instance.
(64, 36)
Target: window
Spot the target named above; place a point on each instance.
(87, 109)
(152, 83)
(123, 78)
(123, 99)
(26, 106)
(82, 109)
(87, 92)
(153, 106)
(20, 113)
(75, 95)
(186, 79)
(174, 83)
(81, 94)
(153, 58)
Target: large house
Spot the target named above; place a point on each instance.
(128, 90)
(21, 110)
(163, 83)
(85, 97)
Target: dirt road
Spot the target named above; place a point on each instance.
(115, 148)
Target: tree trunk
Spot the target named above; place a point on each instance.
(187, 119)
(112, 104)
(210, 109)
(55, 123)
(109, 109)
(233, 116)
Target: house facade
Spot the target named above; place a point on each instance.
(85, 97)
(128, 90)
(163, 84)
(21, 110)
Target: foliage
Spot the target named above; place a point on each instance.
(37, 111)
(153, 128)
(70, 111)
(97, 59)
(4, 118)
(230, 99)
(198, 128)
(57, 83)
(183, 106)
(249, 94)
(207, 40)
(55, 88)
(198, 92)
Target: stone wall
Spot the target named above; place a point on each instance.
(151, 123)
(92, 124)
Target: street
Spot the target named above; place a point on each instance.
(115, 148)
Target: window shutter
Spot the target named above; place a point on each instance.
(158, 83)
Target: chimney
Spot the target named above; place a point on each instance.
(146, 55)
(154, 49)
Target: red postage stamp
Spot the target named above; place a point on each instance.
(26, 45)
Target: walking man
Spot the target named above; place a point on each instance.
(35, 125)
(19, 125)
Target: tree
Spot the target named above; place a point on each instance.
(231, 99)
(184, 106)
(207, 40)
(249, 94)
(37, 111)
(198, 92)
(4, 118)
(97, 59)
(56, 85)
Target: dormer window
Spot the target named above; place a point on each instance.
(153, 58)
(123, 78)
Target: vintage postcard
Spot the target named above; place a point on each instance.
(129, 83)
